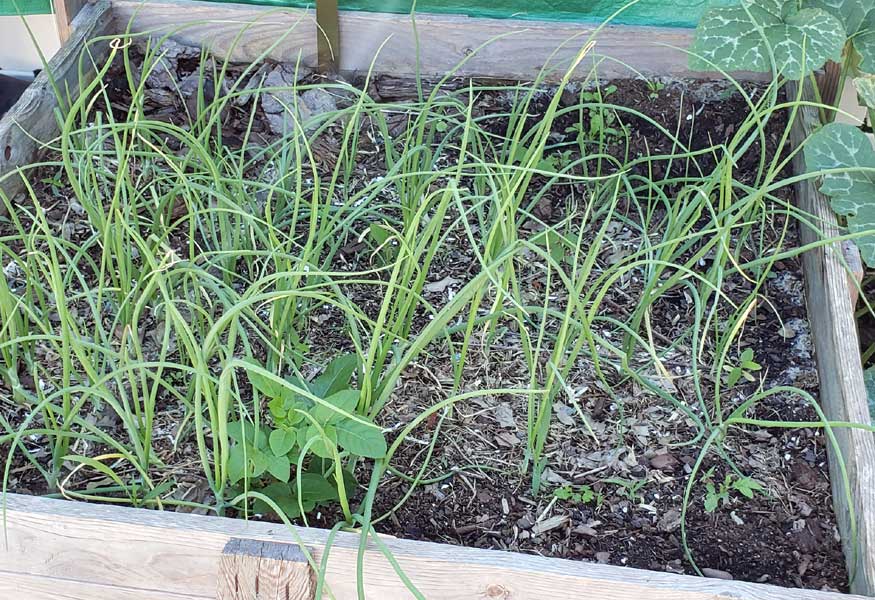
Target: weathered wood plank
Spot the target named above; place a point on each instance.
(842, 392)
(264, 570)
(18, 586)
(180, 554)
(516, 49)
(31, 122)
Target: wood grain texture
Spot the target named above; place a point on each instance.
(65, 12)
(514, 49)
(842, 392)
(18, 586)
(180, 554)
(31, 121)
(252, 569)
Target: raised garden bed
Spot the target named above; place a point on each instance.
(619, 453)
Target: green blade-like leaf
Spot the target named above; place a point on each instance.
(842, 146)
(738, 38)
(361, 439)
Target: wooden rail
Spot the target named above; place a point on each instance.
(76, 551)
(511, 49)
(65, 11)
(842, 391)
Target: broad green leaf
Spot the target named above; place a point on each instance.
(320, 447)
(361, 439)
(710, 504)
(287, 411)
(345, 400)
(266, 386)
(843, 146)
(858, 17)
(315, 488)
(254, 465)
(747, 486)
(551, 241)
(854, 14)
(282, 440)
(865, 87)
(280, 467)
(277, 408)
(335, 377)
(284, 496)
(734, 376)
(254, 435)
(864, 43)
(235, 467)
(738, 38)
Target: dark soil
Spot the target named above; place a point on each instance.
(786, 536)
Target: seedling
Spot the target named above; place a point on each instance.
(655, 87)
(721, 495)
(578, 494)
(629, 488)
(744, 369)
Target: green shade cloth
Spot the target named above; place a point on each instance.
(25, 7)
(666, 13)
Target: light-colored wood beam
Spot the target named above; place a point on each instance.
(264, 570)
(842, 391)
(65, 11)
(109, 547)
(511, 49)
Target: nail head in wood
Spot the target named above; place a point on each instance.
(259, 570)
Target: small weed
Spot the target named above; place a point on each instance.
(629, 488)
(655, 87)
(578, 494)
(745, 368)
(717, 495)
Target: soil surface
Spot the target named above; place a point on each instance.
(629, 451)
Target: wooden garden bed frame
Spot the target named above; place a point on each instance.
(54, 549)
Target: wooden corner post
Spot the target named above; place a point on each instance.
(65, 11)
(257, 570)
(328, 35)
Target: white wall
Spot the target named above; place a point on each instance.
(17, 50)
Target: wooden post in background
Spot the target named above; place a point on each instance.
(328, 35)
(256, 570)
(65, 11)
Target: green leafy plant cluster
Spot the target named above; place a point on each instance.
(578, 494)
(314, 425)
(793, 38)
